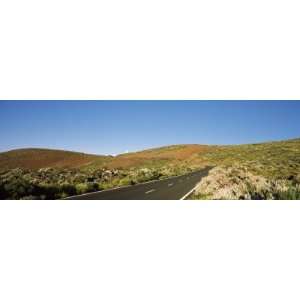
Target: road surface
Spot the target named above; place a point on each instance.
(166, 189)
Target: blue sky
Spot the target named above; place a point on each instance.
(112, 127)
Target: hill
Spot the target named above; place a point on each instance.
(34, 159)
(278, 160)
(158, 157)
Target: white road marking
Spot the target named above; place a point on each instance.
(148, 192)
(188, 193)
(170, 184)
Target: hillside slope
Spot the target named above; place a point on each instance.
(255, 171)
(158, 157)
(280, 159)
(271, 159)
(44, 158)
(34, 159)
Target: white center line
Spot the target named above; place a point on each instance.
(170, 184)
(148, 192)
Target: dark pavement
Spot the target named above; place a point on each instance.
(167, 189)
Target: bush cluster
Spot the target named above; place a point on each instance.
(50, 183)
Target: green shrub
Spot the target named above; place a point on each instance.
(68, 189)
(125, 181)
(155, 175)
(16, 189)
(50, 191)
(200, 196)
(3, 193)
(93, 187)
(83, 188)
(292, 193)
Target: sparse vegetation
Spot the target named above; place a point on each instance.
(256, 171)
(239, 183)
(274, 160)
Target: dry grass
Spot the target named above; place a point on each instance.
(274, 160)
(237, 182)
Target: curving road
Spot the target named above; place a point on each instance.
(166, 189)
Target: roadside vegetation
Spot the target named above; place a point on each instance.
(50, 183)
(256, 171)
(238, 183)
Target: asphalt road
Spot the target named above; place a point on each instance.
(167, 189)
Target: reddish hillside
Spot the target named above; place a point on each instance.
(41, 158)
(174, 154)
